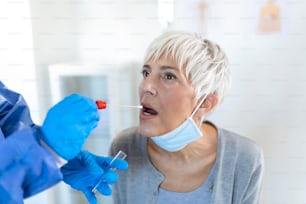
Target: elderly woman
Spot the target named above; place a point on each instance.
(175, 155)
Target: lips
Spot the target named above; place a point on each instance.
(148, 110)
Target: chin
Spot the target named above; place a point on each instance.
(145, 131)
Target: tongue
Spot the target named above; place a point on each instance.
(150, 111)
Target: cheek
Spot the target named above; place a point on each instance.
(177, 102)
(176, 110)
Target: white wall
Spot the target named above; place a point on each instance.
(17, 62)
(89, 32)
(266, 102)
(17, 65)
(116, 31)
(54, 39)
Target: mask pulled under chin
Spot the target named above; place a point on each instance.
(178, 138)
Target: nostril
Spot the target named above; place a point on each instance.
(147, 88)
(150, 90)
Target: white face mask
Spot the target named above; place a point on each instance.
(181, 136)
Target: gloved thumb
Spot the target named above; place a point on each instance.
(90, 196)
(119, 164)
(110, 177)
(104, 189)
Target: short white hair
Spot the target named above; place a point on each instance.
(205, 63)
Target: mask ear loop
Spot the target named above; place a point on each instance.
(198, 106)
(202, 100)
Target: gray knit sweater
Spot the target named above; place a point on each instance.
(238, 176)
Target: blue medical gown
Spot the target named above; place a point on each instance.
(26, 168)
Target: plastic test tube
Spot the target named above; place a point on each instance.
(120, 155)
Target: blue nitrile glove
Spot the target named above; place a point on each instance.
(85, 171)
(69, 123)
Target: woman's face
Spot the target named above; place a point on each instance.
(166, 96)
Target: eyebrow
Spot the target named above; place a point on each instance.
(161, 67)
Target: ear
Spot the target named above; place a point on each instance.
(209, 103)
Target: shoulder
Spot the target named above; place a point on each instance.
(240, 167)
(245, 144)
(127, 140)
(244, 150)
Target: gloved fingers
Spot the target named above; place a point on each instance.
(94, 117)
(87, 160)
(118, 163)
(67, 101)
(104, 162)
(77, 103)
(110, 177)
(83, 103)
(83, 157)
(92, 125)
(88, 128)
(90, 196)
(90, 118)
(72, 98)
(69, 123)
(76, 107)
(86, 105)
(104, 189)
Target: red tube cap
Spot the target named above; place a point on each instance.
(101, 104)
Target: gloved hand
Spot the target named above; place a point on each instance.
(85, 171)
(68, 124)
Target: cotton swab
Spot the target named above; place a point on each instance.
(103, 105)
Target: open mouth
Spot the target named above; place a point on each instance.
(149, 111)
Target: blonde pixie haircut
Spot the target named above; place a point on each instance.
(205, 63)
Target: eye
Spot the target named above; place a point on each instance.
(169, 76)
(144, 73)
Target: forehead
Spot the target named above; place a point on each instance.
(163, 62)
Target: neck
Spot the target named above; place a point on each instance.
(194, 150)
(187, 169)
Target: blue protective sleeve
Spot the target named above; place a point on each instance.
(14, 111)
(37, 169)
(25, 168)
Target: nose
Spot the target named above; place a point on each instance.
(147, 87)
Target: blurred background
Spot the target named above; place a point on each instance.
(50, 48)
